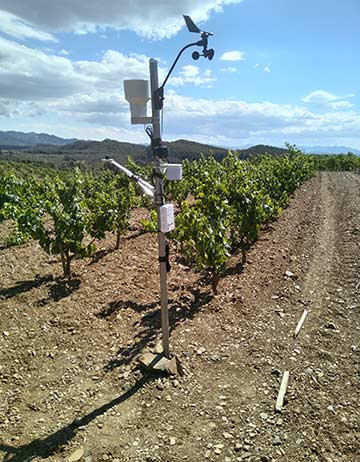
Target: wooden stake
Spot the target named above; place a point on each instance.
(300, 323)
(282, 391)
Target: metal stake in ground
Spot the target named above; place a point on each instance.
(159, 201)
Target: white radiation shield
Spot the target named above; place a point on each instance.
(137, 93)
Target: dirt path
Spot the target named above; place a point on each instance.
(68, 377)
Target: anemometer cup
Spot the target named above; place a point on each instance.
(209, 54)
(195, 55)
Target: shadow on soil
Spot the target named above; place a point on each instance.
(24, 286)
(99, 255)
(238, 268)
(58, 288)
(115, 307)
(48, 446)
(138, 233)
(185, 307)
(62, 288)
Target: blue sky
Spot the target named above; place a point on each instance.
(284, 70)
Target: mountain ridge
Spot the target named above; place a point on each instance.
(329, 150)
(22, 139)
(42, 146)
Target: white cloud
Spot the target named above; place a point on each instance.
(90, 94)
(319, 97)
(234, 122)
(27, 74)
(265, 69)
(98, 102)
(190, 71)
(156, 19)
(228, 69)
(35, 75)
(222, 122)
(191, 75)
(233, 56)
(341, 104)
(325, 99)
(15, 27)
(14, 109)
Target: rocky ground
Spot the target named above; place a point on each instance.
(70, 388)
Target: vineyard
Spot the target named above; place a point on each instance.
(255, 242)
(222, 206)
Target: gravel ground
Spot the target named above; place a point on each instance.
(70, 387)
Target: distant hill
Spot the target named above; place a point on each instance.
(107, 147)
(13, 140)
(33, 146)
(329, 150)
(42, 143)
(261, 149)
(97, 150)
(179, 150)
(191, 150)
(184, 149)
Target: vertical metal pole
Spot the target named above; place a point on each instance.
(159, 200)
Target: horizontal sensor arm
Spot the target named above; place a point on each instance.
(146, 187)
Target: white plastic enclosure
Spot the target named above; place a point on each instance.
(174, 172)
(167, 220)
(137, 93)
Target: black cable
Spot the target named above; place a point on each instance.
(199, 43)
(149, 132)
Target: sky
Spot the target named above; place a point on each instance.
(283, 70)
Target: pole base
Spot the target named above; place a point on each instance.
(158, 363)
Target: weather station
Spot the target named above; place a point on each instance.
(138, 93)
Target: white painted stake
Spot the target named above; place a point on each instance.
(282, 391)
(300, 323)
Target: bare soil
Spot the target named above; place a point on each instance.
(70, 386)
